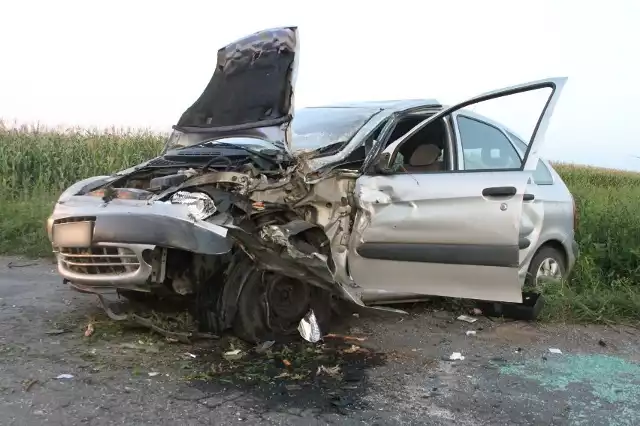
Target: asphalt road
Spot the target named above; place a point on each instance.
(398, 375)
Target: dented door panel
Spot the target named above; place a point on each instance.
(438, 234)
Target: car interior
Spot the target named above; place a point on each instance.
(424, 151)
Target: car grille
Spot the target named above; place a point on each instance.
(75, 219)
(99, 260)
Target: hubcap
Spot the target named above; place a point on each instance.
(549, 269)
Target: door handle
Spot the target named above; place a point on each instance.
(528, 197)
(500, 191)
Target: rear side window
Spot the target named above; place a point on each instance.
(542, 175)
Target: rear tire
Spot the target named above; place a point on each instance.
(548, 263)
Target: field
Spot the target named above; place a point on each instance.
(37, 164)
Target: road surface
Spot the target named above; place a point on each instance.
(399, 375)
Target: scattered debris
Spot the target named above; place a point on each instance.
(65, 376)
(356, 315)
(332, 371)
(286, 362)
(292, 387)
(232, 355)
(555, 351)
(24, 265)
(138, 347)
(476, 311)
(340, 336)
(353, 349)
(153, 373)
(467, 318)
(456, 356)
(190, 355)
(518, 350)
(470, 333)
(56, 331)
(29, 384)
(89, 330)
(264, 346)
(309, 328)
(602, 343)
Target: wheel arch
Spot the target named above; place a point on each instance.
(555, 244)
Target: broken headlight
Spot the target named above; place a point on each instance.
(200, 205)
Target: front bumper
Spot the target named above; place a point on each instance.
(121, 244)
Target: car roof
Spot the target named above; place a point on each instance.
(391, 105)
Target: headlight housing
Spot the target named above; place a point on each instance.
(199, 204)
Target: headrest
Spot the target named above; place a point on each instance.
(424, 155)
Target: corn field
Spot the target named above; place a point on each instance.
(37, 164)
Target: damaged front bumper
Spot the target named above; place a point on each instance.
(122, 244)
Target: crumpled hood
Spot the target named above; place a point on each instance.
(252, 85)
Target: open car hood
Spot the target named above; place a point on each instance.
(251, 87)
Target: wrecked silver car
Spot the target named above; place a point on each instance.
(262, 218)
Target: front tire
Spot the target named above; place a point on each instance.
(271, 306)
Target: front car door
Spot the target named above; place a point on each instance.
(454, 233)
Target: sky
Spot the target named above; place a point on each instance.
(141, 63)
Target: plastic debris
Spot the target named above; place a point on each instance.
(555, 351)
(456, 356)
(286, 362)
(190, 355)
(309, 328)
(153, 373)
(232, 355)
(330, 371)
(467, 318)
(353, 349)
(264, 346)
(29, 384)
(470, 333)
(340, 336)
(476, 311)
(65, 376)
(89, 330)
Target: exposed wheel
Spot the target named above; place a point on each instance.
(547, 265)
(271, 306)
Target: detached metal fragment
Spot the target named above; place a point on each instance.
(309, 328)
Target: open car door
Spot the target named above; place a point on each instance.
(452, 234)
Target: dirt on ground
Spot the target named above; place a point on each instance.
(394, 369)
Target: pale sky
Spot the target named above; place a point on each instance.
(141, 63)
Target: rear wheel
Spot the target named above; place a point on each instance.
(547, 265)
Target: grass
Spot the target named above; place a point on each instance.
(37, 164)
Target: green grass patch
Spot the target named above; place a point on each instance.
(36, 165)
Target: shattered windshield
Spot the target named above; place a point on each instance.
(314, 128)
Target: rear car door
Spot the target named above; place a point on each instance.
(451, 233)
